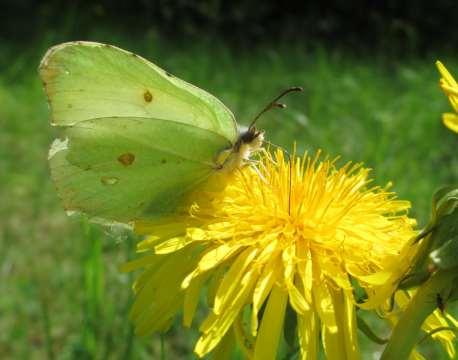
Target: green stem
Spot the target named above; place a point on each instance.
(407, 331)
(436, 330)
(366, 329)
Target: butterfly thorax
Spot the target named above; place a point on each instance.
(248, 142)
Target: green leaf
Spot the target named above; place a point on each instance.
(290, 327)
(445, 201)
(438, 238)
(446, 256)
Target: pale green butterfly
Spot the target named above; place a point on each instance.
(137, 140)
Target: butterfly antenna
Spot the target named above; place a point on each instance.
(274, 104)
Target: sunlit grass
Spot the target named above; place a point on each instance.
(62, 294)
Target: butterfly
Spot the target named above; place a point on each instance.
(137, 141)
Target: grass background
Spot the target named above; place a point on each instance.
(62, 296)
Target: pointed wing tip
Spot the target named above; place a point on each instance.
(56, 48)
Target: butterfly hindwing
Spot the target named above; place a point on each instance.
(126, 169)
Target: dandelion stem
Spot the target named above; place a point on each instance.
(366, 329)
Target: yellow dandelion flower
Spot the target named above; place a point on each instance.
(450, 87)
(287, 234)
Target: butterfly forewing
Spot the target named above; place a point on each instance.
(86, 80)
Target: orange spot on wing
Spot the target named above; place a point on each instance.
(126, 159)
(147, 96)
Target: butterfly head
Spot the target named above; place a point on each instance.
(248, 142)
(251, 140)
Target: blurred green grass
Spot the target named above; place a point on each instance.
(62, 294)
